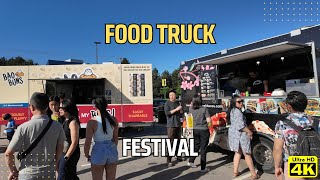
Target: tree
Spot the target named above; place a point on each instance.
(176, 81)
(16, 61)
(124, 61)
(166, 75)
(156, 82)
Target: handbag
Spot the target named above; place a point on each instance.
(22, 155)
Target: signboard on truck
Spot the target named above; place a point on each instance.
(127, 88)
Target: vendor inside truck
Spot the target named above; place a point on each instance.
(283, 72)
(256, 83)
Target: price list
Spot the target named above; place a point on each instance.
(209, 86)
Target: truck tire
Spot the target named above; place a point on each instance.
(262, 154)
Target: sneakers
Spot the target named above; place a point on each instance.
(169, 164)
(204, 170)
(192, 165)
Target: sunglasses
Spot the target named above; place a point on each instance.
(241, 101)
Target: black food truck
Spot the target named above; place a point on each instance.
(285, 63)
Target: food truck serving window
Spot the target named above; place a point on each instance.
(283, 67)
(81, 91)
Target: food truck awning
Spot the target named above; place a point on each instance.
(258, 52)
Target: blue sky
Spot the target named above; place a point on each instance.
(42, 30)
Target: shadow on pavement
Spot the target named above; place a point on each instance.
(3, 149)
(123, 161)
(170, 173)
(154, 130)
(148, 169)
(196, 175)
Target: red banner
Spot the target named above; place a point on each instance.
(123, 113)
(137, 113)
(131, 113)
(86, 112)
(18, 114)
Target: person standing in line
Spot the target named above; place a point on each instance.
(201, 134)
(103, 128)
(53, 111)
(42, 161)
(173, 111)
(71, 125)
(11, 126)
(239, 137)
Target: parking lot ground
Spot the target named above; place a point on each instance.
(218, 161)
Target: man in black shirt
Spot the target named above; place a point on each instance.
(173, 111)
(256, 84)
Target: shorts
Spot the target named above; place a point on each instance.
(104, 152)
(10, 135)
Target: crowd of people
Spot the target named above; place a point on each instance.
(240, 136)
(47, 145)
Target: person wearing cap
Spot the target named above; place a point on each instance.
(10, 126)
(173, 111)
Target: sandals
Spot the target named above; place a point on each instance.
(257, 176)
(236, 174)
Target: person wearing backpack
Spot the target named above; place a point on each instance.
(296, 135)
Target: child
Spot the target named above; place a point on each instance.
(10, 126)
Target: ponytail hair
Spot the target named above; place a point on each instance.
(101, 104)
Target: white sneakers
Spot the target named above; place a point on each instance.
(205, 170)
(192, 165)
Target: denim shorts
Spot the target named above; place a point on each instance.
(104, 152)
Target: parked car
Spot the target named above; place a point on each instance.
(158, 110)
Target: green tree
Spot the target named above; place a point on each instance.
(156, 80)
(16, 61)
(124, 61)
(176, 81)
(166, 75)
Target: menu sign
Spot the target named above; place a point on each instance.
(209, 85)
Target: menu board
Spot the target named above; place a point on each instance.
(137, 85)
(142, 85)
(208, 85)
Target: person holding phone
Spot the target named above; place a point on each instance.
(239, 136)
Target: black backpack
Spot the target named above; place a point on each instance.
(308, 143)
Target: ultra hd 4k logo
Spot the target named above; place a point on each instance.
(303, 166)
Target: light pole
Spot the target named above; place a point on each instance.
(97, 51)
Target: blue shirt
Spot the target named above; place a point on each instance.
(11, 124)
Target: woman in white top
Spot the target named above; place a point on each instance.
(104, 131)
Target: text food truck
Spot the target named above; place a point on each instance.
(127, 88)
(287, 62)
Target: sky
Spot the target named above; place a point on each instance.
(60, 30)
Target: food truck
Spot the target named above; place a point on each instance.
(127, 88)
(288, 62)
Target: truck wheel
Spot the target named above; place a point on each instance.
(262, 154)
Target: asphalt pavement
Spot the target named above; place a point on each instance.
(219, 162)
